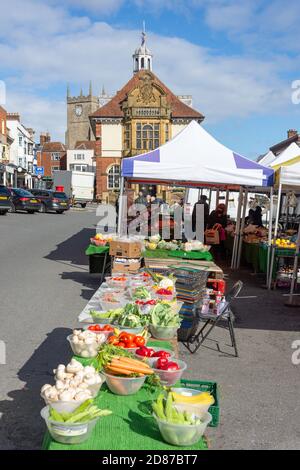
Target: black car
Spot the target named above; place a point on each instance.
(5, 200)
(23, 200)
(52, 200)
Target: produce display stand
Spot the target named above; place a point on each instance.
(131, 425)
(99, 260)
(206, 255)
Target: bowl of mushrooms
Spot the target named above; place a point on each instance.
(74, 384)
(86, 343)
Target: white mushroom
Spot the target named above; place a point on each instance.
(83, 395)
(45, 387)
(82, 386)
(66, 395)
(89, 370)
(74, 366)
(60, 385)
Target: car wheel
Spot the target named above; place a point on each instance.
(43, 208)
(30, 212)
(59, 212)
(83, 205)
(3, 212)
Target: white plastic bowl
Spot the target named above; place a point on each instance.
(134, 331)
(116, 284)
(64, 406)
(170, 378)
(68, 433)
(106, 305)
(86, 351)
(183, 434)
(124, 385)
(163, 332)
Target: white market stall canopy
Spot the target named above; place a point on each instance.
(289, 177)
(287, 157)
(268, 159)
(195, 156)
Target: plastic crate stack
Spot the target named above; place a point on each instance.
(190, 285)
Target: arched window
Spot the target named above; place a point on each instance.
(149, 64)
(142, 63)
(113, 177)
(136, 64)
(147, 136)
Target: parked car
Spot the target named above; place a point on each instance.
(5, 200)
(54, 201)
(23, 200)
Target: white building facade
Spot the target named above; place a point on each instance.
(81, 160)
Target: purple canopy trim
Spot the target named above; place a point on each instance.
(128, 163)
(244, 163)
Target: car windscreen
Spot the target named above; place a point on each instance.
(22, 192)
(60, 195)
(4, 191)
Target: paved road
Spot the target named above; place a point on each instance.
(45, 283)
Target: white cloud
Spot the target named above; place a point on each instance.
(62, 48)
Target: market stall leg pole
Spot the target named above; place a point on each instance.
(217, 197)
(227, 199)
(295, 271)
(269, 235)
(120, 215)
(242, 228)
(237, 227)
(275, 236)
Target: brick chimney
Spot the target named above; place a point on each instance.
(13, 117)
(291, 133)
(44, 138)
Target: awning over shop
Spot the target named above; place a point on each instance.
(194, 156)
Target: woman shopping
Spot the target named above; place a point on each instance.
(217, 221)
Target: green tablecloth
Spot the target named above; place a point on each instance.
(96, 250)
(207, 256)
(130, 427)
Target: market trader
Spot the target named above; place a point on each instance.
(202, 201)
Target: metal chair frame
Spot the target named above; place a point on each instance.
(195, 341)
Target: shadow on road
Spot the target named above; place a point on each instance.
(89, 283)
(73, 249)
(21, 426)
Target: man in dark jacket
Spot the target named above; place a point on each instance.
(202, 201)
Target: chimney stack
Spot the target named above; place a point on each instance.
(291, 133)
(44, 138)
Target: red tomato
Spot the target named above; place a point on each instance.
(162, 354)
(162, 363)
(91, 328)
(172, 366)
(107, 328)
(139, 340)
(113, 340)
(97, 328)
(131, 345)
(120, 344)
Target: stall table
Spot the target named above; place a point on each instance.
(189, 255)
(130, 427)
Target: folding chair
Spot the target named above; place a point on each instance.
(194, 342)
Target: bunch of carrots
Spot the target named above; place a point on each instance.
(120, 365)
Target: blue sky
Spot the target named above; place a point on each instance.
(237, 58)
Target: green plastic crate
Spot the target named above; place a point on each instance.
(211, 387)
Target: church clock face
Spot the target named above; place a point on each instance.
(78, 110)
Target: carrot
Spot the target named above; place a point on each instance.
(133, 369)
(117, 370)
(133, 362)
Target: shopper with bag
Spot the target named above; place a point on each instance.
(215, 233)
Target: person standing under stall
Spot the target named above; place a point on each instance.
(217, 220)
(203, 202)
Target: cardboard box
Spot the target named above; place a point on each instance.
(126, 267)
(125, 249)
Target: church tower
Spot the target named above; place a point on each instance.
(78, 110)
(142, 58)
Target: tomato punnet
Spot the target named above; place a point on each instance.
(164, 291)
(165, 354)
(161, 363)
(139, 341)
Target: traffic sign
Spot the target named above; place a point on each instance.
(39, 170)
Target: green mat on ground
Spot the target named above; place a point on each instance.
(96, 250)
(207, 256)
(130, 427)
